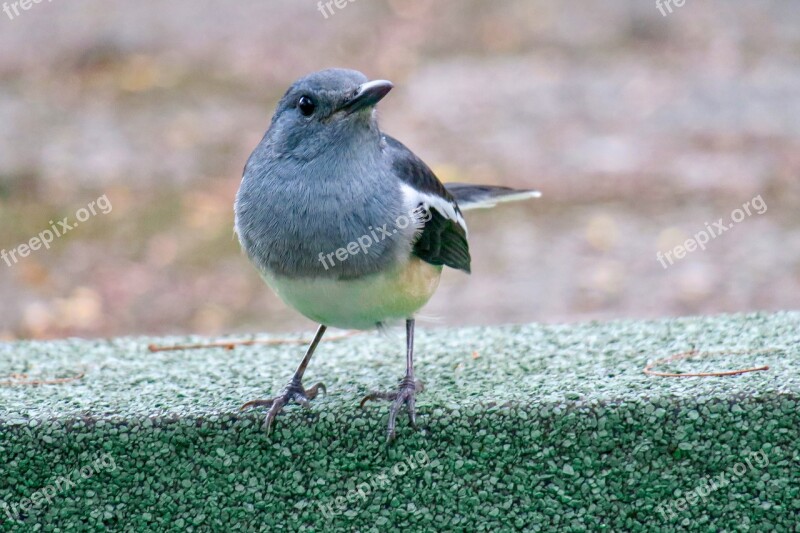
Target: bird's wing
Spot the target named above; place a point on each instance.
(443, 238)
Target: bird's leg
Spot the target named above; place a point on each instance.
(406, 393)
(293, 391)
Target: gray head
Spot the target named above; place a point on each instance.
(320, 179)
(321, 109)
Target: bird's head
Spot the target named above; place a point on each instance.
(326, 110)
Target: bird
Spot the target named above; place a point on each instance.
(347, 225)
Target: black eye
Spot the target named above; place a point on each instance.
(305, 105)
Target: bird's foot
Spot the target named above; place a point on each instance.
(405, 394)
(293, 391)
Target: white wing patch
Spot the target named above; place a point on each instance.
(444, 206)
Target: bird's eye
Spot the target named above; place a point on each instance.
(305, 105)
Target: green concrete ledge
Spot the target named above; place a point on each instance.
(534, 427)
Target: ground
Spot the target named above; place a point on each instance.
(536, 427)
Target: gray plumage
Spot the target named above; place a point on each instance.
(313, 186)
(316, 183)
(324, 178)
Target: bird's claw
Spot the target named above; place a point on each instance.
(294, 391)
(404, 395)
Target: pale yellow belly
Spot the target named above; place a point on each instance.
(362, 303)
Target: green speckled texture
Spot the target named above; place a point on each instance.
(548, 428)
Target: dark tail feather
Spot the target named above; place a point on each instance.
(481, 196)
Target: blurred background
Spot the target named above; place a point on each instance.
(639, 128)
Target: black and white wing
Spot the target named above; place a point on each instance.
(443, 238)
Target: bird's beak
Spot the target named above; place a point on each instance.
(367, 95)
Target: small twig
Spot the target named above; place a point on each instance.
(23, 379)
(230, 345)
(693, 353)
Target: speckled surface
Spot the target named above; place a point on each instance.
(523, 427)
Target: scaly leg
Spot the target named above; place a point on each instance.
(293, 391)
(406, 393)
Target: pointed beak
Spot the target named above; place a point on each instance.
(367, 95)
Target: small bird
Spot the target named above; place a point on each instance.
(347, 225)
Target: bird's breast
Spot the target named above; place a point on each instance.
(363, 303)
(314, 225)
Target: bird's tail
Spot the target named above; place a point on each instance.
(470, 196)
